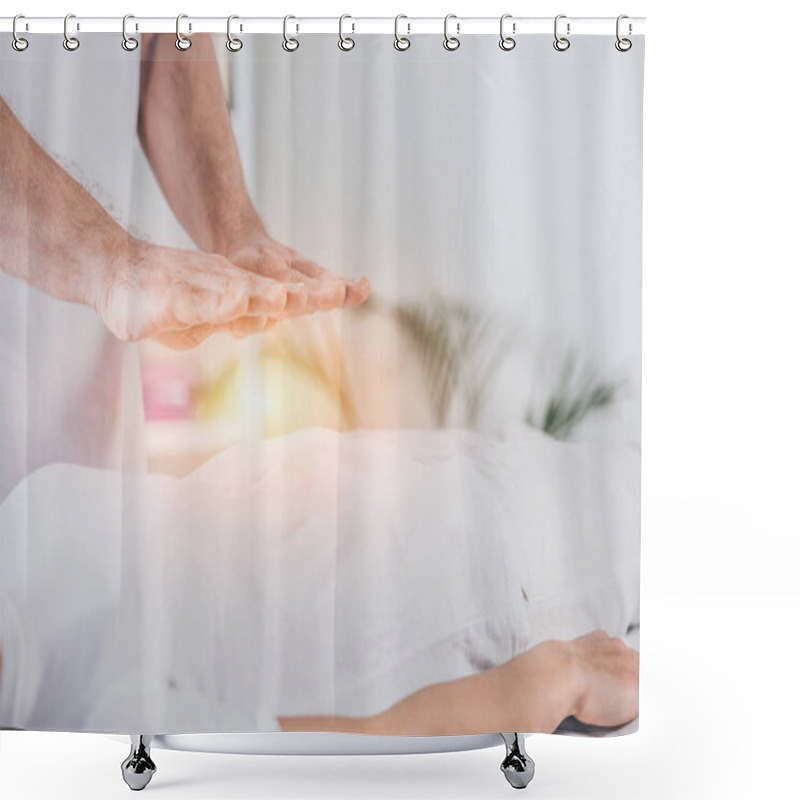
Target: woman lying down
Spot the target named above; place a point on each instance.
(399, 582)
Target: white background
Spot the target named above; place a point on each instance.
(720, 702)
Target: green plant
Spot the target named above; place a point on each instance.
(578, 393)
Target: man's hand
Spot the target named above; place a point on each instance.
(184, 125)
(310, 287)
(180, 297)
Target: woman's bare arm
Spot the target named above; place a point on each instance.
(594, 678)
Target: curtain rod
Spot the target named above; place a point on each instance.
(412, 25)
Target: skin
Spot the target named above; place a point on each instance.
(239, 279)
(182, 103)
(594, 678)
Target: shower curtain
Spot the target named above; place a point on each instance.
(321, 380)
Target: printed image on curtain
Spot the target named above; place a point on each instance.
(321, 386)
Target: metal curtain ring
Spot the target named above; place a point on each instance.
(561, 43)
(401, 42)
(70, 42)
(128, 42)
(18, 43)
(507, 42)
(622, 44)
(290, 44)
(346, 42)
(233, 44)
(451, 42)
(181, 41)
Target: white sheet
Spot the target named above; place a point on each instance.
(308, 574)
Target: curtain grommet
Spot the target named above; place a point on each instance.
(623, 44)
(507, 42)
(561, 43)
(129, 43)
(451, 43)
(233, 44)
(183, 43)
(289, 44)
(401, 43)
(71, 43)
(346, 43)
(19, 43)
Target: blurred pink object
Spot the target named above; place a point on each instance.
(169, 389)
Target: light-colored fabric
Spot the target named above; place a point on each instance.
(493, 199)
(313, 573)
(510, 182)
(69, 403)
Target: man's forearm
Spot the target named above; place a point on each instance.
(53, 234)
(185, 130)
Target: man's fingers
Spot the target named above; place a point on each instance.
(357, 292)
(311, 269)
(216, 274)
(329, 294)
(248, 326)
(333, 290)
(191, 337)
(266, 297)
(191, 314)
(274, 267)
(309, 287)
(297, 296)
(211, 293)
(185, 339)
(329, 290)
(191, 306)
(324, 290)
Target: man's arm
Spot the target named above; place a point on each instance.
(55, 236)
(185, 130)
(38, 195)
